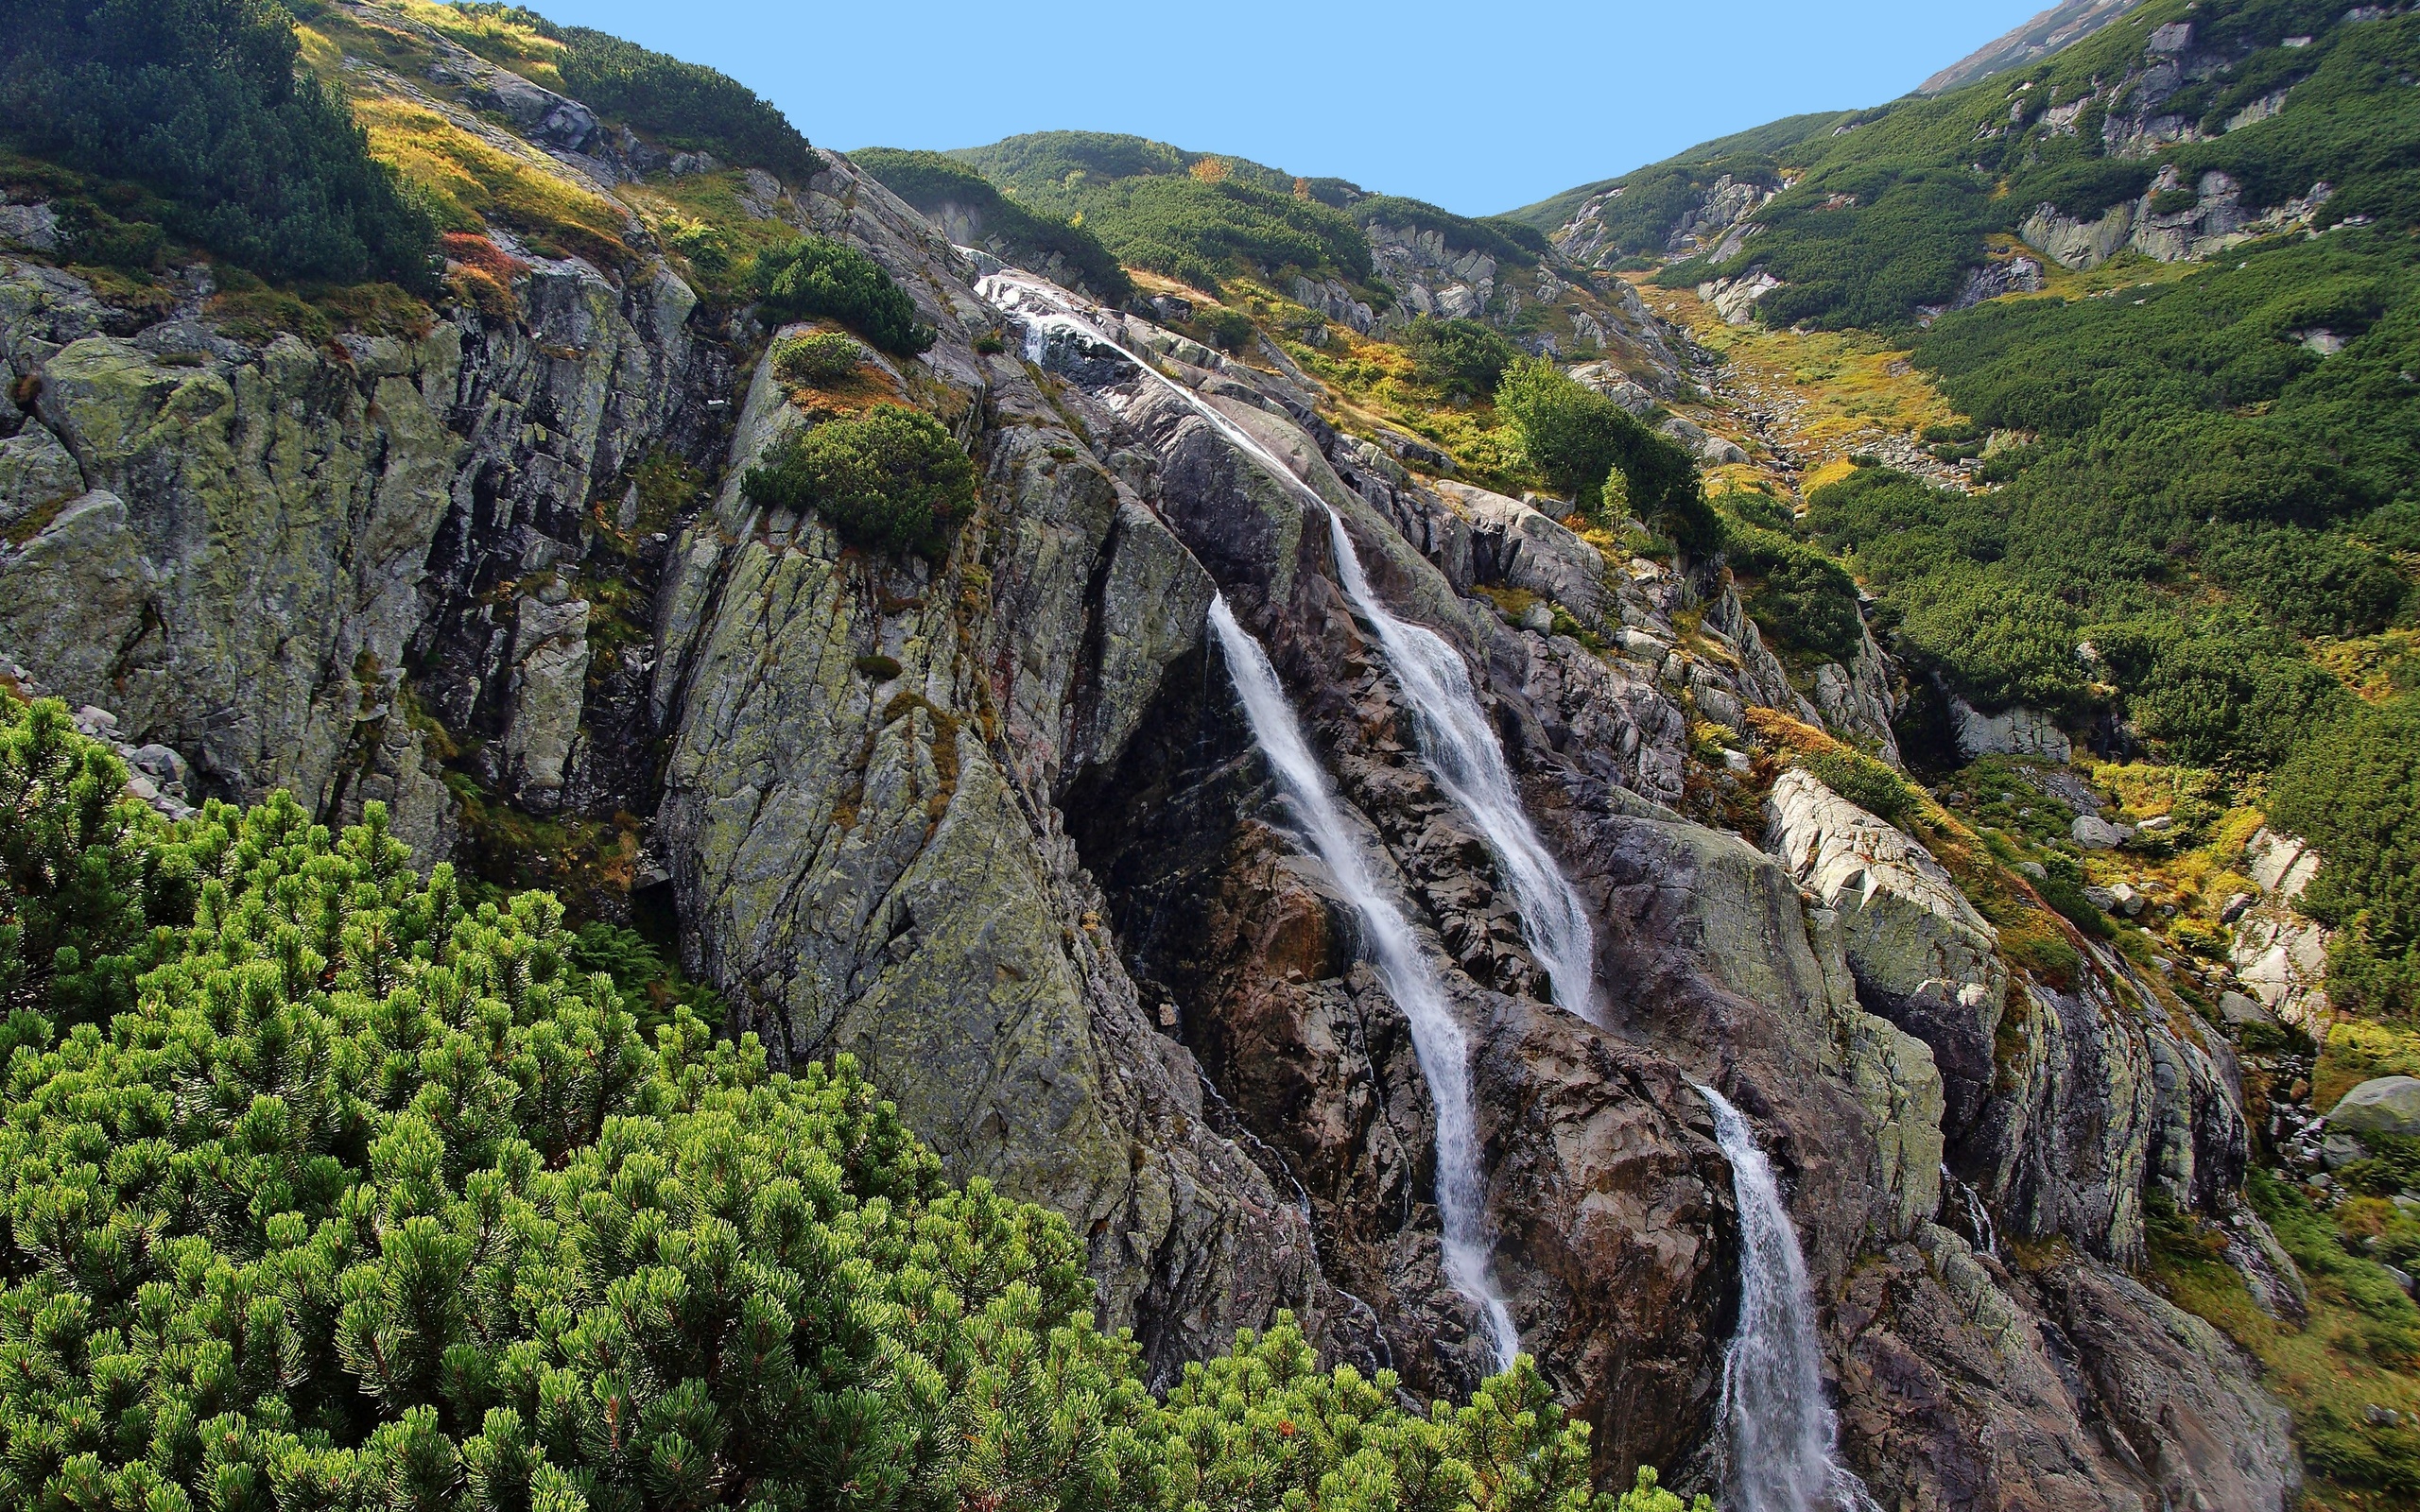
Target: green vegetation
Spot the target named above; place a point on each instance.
(1227, 330)
(1196, 231)
(1191, 215)
(198, 101)
(1577, 437)
(930, 180)
(1656, 196)
(816, 276)
(1804, 599)
(2185, 443)
(2351, 1355)
(1863, 782)
(1892, 207)
(683, 104)
(653, 989)
(2353, 792)
(359, 1196)
(891, 479)
(817, 357)
(1462, 358)
(1500, 237)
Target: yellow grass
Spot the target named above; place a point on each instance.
(516, 47)
(1830, 393)
(474, 180)
(2363, 663)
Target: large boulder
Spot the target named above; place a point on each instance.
(2383, 1105)
(2014, 731)
(1923, 957)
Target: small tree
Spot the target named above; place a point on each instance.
(817, 357)
(819, 276)
(1578, 438)
(889, 480)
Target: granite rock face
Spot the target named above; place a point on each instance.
(861, 818)
(1923, 957)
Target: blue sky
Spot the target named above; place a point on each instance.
(1479, 108)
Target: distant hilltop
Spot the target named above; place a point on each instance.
(2057, 27)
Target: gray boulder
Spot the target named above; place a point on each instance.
(2094, 832)
(2015, 732)
(2383, 1105)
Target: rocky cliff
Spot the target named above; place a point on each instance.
(996, 826)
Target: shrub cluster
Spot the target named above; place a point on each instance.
(1892, 207)
(198, 100)
(1577, 437)
(683, 104)
(1464, 358)
(362, 1198)
(816, 276)
(2353, 790)
(930, 180)
(1803, 598)
(891, 479)
(1187, 214)
(815, 357)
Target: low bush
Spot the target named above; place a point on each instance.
(2353, 790)
(1577, 437)
(683, 104)
(1804, 599)
(817, 357)
(1227, 330)
(1463, 358)
(891, 479)
(1864, 782)
(816, 276)
(931, 181)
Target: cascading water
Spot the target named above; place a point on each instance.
(1436, 1036)
(1458, 744)
(1779, 1451)
(1468, 761)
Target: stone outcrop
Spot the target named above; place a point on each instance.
(2015, 730)
(2383, 1105)
(2278, 954)
(1923, 958)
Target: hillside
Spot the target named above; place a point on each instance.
(688, 821)
(2062, 26)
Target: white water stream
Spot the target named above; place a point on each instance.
(1779, 1446)
(1461, 749)
(1411, 980)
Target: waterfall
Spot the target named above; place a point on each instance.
(1436, 1036)
(1458, 744)
(1468, 761)
(1978, 1219)
(1779, 1451)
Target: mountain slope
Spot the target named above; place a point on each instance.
(2062, 26)
(718, 542)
